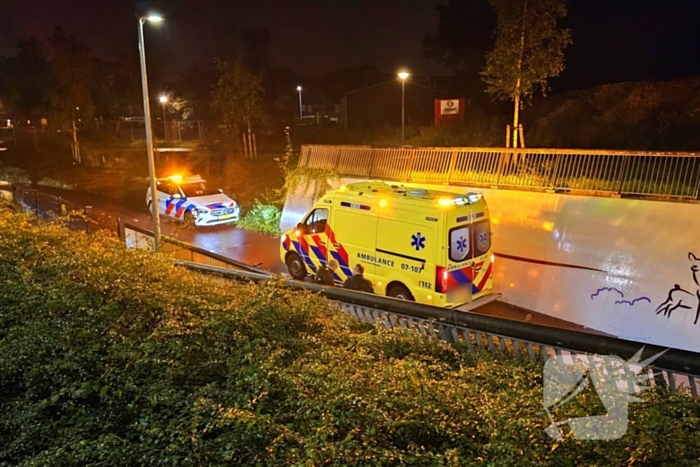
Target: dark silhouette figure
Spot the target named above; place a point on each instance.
(358, 281)
(324, 275)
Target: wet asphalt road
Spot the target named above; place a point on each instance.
(241, 245)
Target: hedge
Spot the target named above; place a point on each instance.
(110, 356)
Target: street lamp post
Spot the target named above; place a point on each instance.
(301, 112)
(403, 76)
(164, 100)
(149, 135)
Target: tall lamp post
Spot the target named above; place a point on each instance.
(149, 133)
(403, 76)
(164, 100)
(301, 112)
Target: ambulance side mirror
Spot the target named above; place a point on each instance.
(220, 190)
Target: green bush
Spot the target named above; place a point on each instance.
(263, 218)
(116, 357)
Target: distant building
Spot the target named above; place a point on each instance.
(317, 110)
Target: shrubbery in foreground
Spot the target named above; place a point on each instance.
(115, 357)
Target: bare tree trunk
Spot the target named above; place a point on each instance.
(245, 145)
(76, 145)
(516, 111)
(516, 116)
(255, 148)
(250, 140)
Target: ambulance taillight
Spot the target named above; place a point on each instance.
(441, 279)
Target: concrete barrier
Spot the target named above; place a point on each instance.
(621, 266)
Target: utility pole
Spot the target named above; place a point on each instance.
(149, 133)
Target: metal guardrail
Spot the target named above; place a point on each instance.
(138, 237)
(646, 174)
(678, 370)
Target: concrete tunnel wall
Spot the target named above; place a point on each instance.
(605, 263)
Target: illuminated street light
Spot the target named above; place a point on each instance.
(301, 112)
(149, 132)
(164, 100)
(403, 76)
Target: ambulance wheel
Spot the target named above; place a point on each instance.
(296, 267)
(401, 292)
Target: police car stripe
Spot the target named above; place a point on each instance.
(169, 205)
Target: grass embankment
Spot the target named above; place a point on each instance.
(116, 357)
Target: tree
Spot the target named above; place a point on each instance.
(463, 36)
(72, 68)
(237, 101)
(71, 98)
(116, 88)
(27, 79)
(250, 46)
(529, 49)
(195, 89)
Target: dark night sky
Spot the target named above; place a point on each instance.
(615, 40)
(309, 36)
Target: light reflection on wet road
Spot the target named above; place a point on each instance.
(241, 245)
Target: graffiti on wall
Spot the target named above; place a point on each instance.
(681, 298)
(620, 299)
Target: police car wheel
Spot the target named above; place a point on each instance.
(296, 266)
(188, 218)
(400, 292)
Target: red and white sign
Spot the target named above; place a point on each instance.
(449, 107)
(449, 112)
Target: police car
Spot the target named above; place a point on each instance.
(189, 199)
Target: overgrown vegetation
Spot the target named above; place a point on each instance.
(263, 218)
(116, 357)
(312, 182)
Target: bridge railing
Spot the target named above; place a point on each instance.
(646, 174)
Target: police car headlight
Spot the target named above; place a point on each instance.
(201, 210)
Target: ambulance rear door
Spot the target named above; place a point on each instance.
(469, 244)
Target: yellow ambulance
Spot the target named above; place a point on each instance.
(430, 246)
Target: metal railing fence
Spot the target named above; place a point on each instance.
(137, 237)
(677, 370)
(645, 174)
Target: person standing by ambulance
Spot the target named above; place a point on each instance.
(324, 275)
(358, 281)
